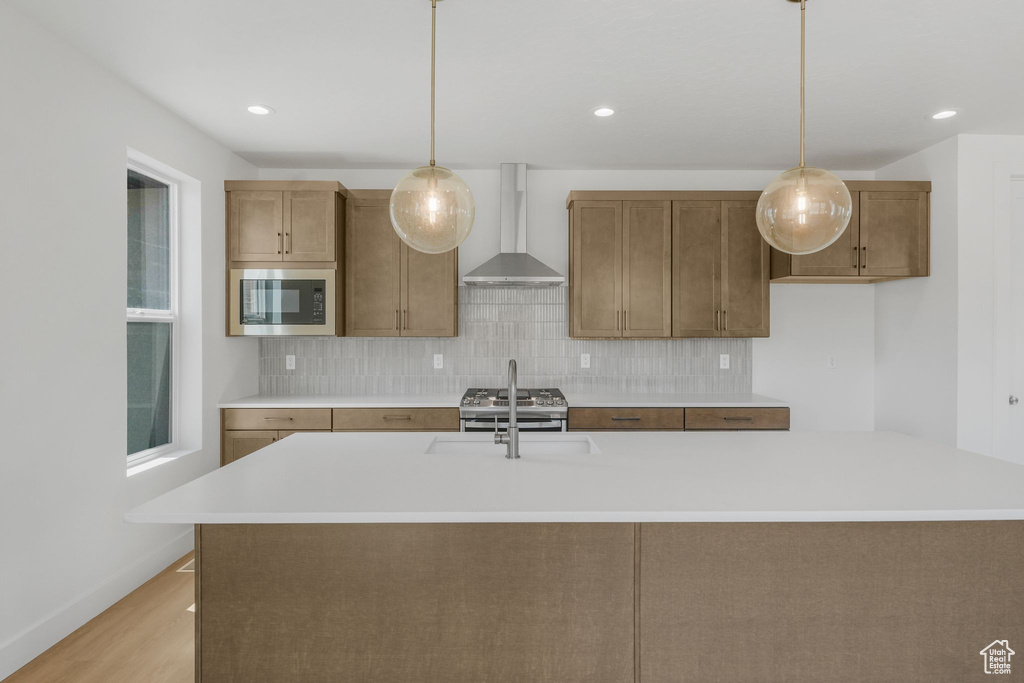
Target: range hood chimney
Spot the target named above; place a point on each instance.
(513, 267)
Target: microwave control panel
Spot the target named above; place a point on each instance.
(318, 306)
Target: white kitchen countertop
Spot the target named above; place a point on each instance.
(637, 477)
(575, 400)
(347, 401)
(612, 400)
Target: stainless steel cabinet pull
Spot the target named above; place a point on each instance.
(864, 259)
(625, 419)
(279, 418)
(739, 419)
(397, 417)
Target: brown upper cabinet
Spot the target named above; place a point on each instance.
(720, 267)
(620, 269)
(286, 221)
(392, 290)
(887, 239)
(666, 264)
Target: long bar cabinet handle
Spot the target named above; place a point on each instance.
(725, 320)
(864, 259)
(625, 419)
(855, 264)
(396, 318)
(397, 417)
(739, 419)
(279, 418)
(718, 320)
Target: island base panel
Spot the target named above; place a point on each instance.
(448, 603)
(913, 602)
(709, 603)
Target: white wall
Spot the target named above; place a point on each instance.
(808, 322)
(64, 130)
(916, 319)
(978, 157)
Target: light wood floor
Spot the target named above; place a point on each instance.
(147, 637)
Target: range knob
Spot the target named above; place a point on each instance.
(560, 402)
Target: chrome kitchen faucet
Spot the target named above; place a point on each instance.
(511, 437)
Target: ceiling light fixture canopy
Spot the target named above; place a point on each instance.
(431, 208)
(804, 209)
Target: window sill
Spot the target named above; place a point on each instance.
(157, 460)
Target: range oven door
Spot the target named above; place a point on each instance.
(282, 302)
(500, 423)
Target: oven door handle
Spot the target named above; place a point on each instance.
(524, 425)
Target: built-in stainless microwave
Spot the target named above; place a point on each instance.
(281, 302)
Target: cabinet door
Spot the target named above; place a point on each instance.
(595, 270)
(372, 271)
(429, 293)
(240, 444)
(310, 226)
(255, 225)
(894, 234)
(647, 268)
(745, 272)
(842, 258)
(696, 268)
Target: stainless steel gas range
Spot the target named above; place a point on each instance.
(538, 410)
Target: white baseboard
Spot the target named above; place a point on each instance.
(22, 648)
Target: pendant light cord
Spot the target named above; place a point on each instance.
(803, 61)
(433, 43)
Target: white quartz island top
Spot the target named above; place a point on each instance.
(576, 400)
(636, 477)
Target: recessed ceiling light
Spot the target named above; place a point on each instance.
(946, 114)
(260, 109)
(604, 111)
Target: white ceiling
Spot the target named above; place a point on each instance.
(696, 83)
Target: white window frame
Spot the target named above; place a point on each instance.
(164, 316)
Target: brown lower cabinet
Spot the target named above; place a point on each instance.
(246, 430)
(769, 602)
(240, 443)
(677, 419)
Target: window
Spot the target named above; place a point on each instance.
(152, 315)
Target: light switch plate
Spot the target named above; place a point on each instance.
(723, 361)
(584, 360)
(438, 361)
(289, 362)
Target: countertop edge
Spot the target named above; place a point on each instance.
(764, 517)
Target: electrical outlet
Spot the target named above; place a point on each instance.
(723, 361)
(438, 361)
(584, 360)
(832, 362)
(289, 362)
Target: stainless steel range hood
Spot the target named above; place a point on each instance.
(513, 267)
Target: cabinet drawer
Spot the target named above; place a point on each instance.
(627, 419)
(737, 418)
(396, 419)
(277, 418)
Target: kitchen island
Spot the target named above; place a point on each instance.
(417, 557)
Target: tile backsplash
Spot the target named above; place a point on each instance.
(496, 324)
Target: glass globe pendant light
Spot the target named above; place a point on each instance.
(805, 209)
(432, 209)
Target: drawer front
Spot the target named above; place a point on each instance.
(396, 419)
(737, 418)
(290, 419)
(626, 419)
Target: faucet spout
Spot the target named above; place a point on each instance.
(511, 437)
